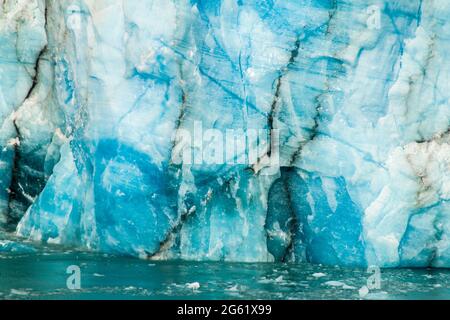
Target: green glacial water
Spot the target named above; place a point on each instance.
(27, 272)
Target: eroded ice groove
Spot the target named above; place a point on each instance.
(356, 90)
(22, 41)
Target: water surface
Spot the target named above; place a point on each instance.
(27, 272)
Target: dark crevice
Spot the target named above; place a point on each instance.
(11, 221)
(438, 235)
(280, 194)
(36, 75)
(16, 192)
(293, 223)
(183, 110)
(273, 111)
(17, 201)
(188, 213)
(313, 133)
(173, 168)
(436, 137)
(171, 235)
(274, 107)
(276, 100)
(279, 81)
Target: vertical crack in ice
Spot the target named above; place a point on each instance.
(17, 192)
(277, 95)
(10, 220)
(331, 15)
(274, 108)
(183, 217)
(314, 131)
(419, 13)
(294, 223)
(36, 75)
(438, 236)
(182, 113)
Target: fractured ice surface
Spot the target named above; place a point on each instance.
(95, 94)
(22, 41)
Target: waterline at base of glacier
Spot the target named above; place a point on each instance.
(43, 276)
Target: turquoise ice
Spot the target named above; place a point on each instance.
(94, 96)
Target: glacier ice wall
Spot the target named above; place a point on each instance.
(94, 96)
(23, 145)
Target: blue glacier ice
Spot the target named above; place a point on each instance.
(96, 97)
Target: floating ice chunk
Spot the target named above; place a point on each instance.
(194, 286)
(335, 283)
(19, 292)
(347, 287)
(319, 275)
(234, 288)
(363, 291)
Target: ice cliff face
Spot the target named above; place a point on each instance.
(97, 96)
